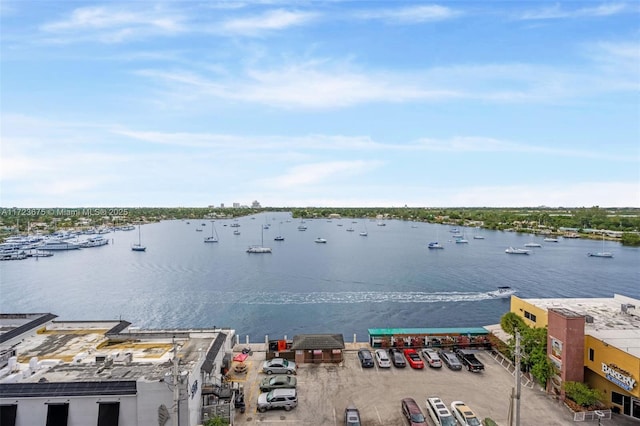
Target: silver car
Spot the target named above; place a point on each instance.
(279, 366)
(382, 358)
(450, 359)
(277, 398)
(431, 356)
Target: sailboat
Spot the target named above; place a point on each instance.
(364, 233)
(214, 234)
(261, 248)
(139, 246)
(601, 253)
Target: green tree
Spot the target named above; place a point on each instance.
(216, 421)
(510, 322)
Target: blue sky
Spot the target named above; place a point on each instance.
(320, 103)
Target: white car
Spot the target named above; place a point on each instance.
(439, 412)
(464, 415)
(382, 358)
(432, 358)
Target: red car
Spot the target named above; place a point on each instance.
(413, 358)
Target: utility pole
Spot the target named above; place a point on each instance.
(518, 379)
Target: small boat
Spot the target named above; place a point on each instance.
(56, 244)
(236, 232)
(214, 235)
(279, 238)
(139, 246)
(302, 228)
(512, 250)
(600, 254)
(350, 229)
(478, 237)
(364, 234)
(551, 240)
(461, 241)
(320, 240)
(96, 241)
(533, 245)
(435, 245)
(259, 249)
(502, 291)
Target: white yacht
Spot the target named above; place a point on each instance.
(321, 240)
(512, 250)
(56, 244)
(435, 245)
(96, 241)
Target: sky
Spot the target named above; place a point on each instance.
(319, 103)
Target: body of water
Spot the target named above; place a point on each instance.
(386, 279)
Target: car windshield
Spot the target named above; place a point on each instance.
(285, 362)
(448, 421)
(417, 418)
(472, 421)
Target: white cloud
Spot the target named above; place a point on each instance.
(313, 174)
(558, 12)
(410, 15)
(113, 24)
(269, 21)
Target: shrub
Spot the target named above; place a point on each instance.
(489, 422)
(582, 394)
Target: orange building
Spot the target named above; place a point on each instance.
(596, 341)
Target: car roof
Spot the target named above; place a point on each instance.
(411, 403)
(463, 409)
(439, 405)
(284, 392)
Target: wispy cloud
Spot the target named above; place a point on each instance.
(557, 11)
(410, 15)
(271, 20)
(317, 173)
(114, 24)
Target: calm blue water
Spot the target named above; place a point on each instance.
(350, 284)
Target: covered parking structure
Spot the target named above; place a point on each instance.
(453, 337)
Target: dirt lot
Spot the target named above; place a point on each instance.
(325, 390)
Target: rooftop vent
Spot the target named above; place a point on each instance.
(588, 319)
(628, 308)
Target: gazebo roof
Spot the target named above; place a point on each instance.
(317, 341)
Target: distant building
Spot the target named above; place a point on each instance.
(222, 205)
(108, 373)
(255, 205)
(592, 340)
(236, 205)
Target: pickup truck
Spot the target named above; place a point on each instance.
(469, 360)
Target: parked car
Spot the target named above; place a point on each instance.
(413, 358)
(277, 382)
(382, 358)
(365, 357)
(464, 415)
(412, 412)
(278, 398)
(397, 358)
(469, 359)
(279, 366)
(450, 359)
(431, 356)
(351, 416)
(439, 412)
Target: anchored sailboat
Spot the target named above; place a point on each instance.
(261, 248)
(214, 234)
(139, 246)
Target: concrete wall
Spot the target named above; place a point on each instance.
(83, 411)
(520, 307)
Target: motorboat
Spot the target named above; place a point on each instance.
(320, 240)
(279, 238)
(96, 241)
(56, 244)
(533, 245)
(258, 249)
(502, 291)
(551, 240)
(512, 250)
(600, 254)
(435, 245)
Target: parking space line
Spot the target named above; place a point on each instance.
(378, 414)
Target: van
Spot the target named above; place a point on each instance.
(278, 398)
(439, 412)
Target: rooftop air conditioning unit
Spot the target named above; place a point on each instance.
(588, 319)
(628, 308)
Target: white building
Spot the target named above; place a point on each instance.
(77, 373)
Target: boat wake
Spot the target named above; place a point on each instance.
(287, 298)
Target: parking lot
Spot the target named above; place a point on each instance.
(325, 390)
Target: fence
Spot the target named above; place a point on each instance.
(583, 416)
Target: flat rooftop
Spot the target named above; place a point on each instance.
(610, 324)
(101, 350)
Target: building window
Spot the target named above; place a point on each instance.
(617, 398)
(528, 315)
(591, 354)
(108, 413)
(8, 415)
(57, 414)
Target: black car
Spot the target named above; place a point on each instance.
(366, 359)
(397, 358)
(450, 359)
